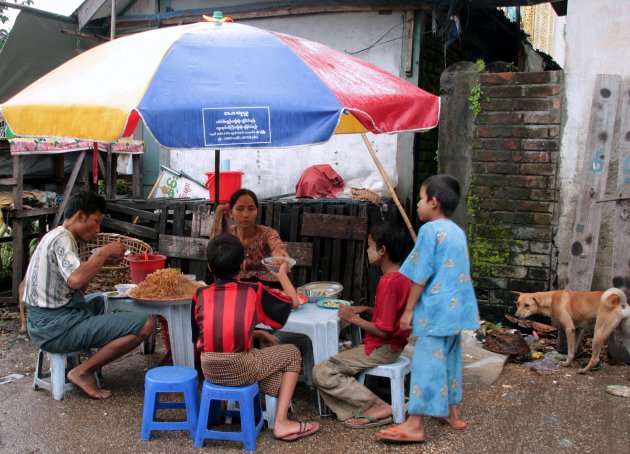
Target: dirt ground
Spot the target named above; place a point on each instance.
(522, 412)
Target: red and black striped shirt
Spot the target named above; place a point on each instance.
(228, 311)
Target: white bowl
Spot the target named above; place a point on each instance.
(274, 268)
(124, 288)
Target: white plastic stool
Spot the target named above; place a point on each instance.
(396, 373)
(268, 415)
(56, 373)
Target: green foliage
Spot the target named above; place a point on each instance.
(4, 33)
(493, 249)
(122, 187)
(474, 100)
(476, 93)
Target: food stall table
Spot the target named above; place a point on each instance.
(177, 315)
(322, 326)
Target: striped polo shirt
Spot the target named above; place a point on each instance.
(228, 311)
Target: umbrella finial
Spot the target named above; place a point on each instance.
(217, 17)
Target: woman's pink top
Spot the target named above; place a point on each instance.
(264, 242)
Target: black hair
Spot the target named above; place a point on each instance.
(87, 201)
(241, 192)
(394, 237)
(446, 191)
(225, 254)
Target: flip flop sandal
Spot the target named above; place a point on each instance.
(302, 432)
(373, 422)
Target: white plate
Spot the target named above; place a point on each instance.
(115, 294)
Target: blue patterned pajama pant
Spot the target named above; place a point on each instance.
(436, 375)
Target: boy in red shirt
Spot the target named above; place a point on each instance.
(353, 403)
(227, 313)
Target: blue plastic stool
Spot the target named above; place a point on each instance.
(169, 379)
(248, 398)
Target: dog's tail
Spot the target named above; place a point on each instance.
(614, 297)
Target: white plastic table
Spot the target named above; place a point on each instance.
(177, 315)
(322, 326)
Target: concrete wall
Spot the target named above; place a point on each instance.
(597, 34)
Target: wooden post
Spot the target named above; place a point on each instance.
(217, 171)
(621, 241)
(593, 182)
(18, 226)
(136, 179)
(69, 186)
(392, 191)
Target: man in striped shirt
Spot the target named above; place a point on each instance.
(60, 320)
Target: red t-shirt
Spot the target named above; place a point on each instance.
(389, 304)
(227, 313)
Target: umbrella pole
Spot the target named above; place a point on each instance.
(389, 186)
(217, 161)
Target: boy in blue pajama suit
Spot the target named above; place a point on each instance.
(441, 304)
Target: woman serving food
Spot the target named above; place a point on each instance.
(259, 241)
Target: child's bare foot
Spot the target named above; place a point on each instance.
(457, 424)
(378, 414)
(292, 430)
(87, 383)
(400, 434)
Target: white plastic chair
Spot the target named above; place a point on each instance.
(396, 373)
(56, 374)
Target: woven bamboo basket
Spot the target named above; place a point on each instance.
(111, 274)
(365, 194)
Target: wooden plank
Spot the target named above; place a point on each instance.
(316, 244)
(9, 300)
(360, 262)
(348, 274)
(593, 182)
(32, 213)
(118, 208)
(136, 179)
(19, 259)
(179, 218)
(69, 186)
(277, 216)
(336, 253)
(203, 217)
(301, 252)
(334, 226)
(295, 223)
(621, 241)
(8, 181)
(130, 229)
(183, 247)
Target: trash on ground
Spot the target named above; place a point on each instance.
(530, 324)
(618, 390)
(547, 365)
(9, 378)
(506, 343)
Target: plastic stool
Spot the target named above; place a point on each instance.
(269, 413)
(396, 373)
(60, 364)
(248, 398)
(169, 379)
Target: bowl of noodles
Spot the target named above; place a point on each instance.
(167, 284)
(273, 264)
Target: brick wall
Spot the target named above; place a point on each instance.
(513, 195)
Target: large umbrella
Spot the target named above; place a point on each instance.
(219, 85)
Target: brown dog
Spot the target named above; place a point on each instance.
(573, 311)
(613, 312)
